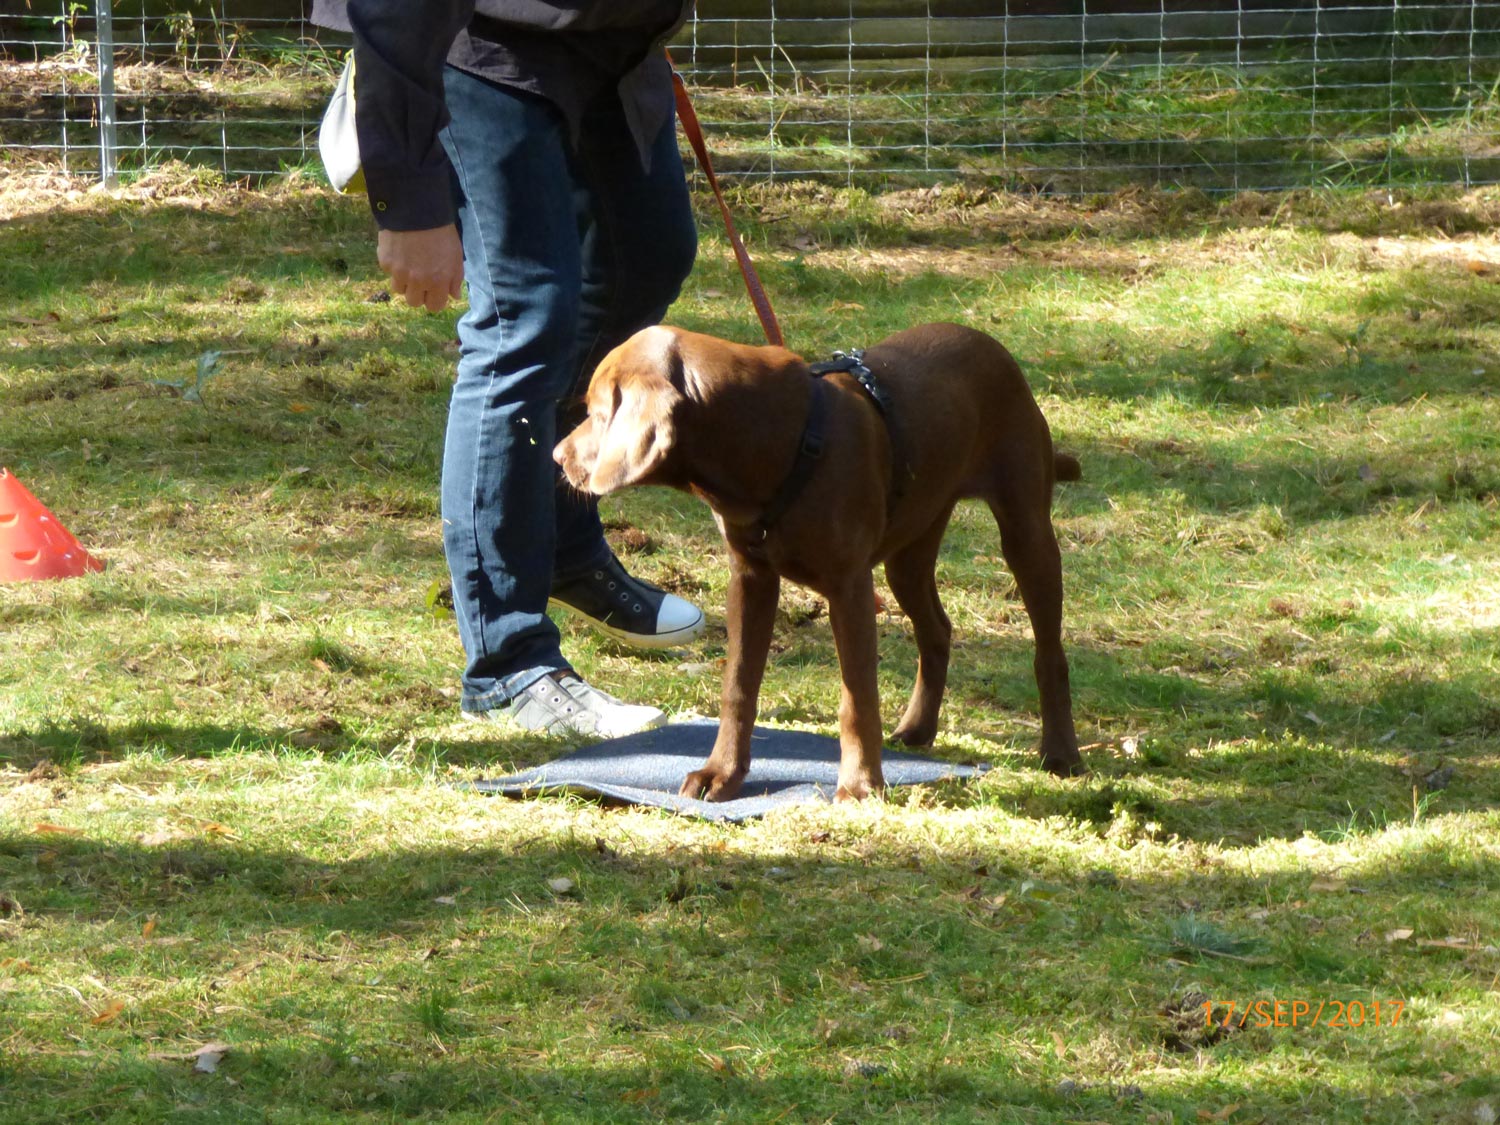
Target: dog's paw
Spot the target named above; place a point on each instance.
(860, 787)
(1063, 765)
(709, 784)
(915, 735)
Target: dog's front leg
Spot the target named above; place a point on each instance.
(751, 618)
(851, 612)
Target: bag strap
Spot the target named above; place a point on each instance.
(753, 286)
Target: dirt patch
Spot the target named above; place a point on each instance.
(970, 262)
(954, 229)
(1190, 1022)
(33, 192)
(964, 231)
(1143, 212)
(197, 88)
(1477, 254)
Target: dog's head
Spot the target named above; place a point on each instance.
(630, 433)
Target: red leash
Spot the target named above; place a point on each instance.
(757, 291)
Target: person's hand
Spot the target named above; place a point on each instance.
(426, 266)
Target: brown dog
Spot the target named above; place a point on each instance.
(817, 480)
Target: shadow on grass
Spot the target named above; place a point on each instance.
(183, 243)
(1275, 756)
(408, 890)
(175, 237)
(347, 432)
(722, 966)
(1214, 478)
(342, 1079)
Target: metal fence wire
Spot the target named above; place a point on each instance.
(1064, 97)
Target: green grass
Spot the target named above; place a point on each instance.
(1281, 122)
(227, 764)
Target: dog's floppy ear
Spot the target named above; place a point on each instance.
(640, 433)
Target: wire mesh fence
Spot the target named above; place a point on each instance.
(1069, 97)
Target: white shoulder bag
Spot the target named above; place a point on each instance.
(338, 142)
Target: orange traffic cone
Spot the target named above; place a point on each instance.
(32, 543)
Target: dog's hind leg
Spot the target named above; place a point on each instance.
(1030, 547)
(911, 573)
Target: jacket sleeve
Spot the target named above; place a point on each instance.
(399, 48)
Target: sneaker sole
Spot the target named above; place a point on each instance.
(635, 640)
(499, 718)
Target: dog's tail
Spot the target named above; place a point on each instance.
(1066, 467)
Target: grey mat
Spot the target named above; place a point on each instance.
(787, 767)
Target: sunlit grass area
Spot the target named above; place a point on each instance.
(239, 876)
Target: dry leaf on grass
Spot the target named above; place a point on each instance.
(205, 1059)
(718, 1063)
(109, 1013)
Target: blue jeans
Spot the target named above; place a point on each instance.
(570, 246)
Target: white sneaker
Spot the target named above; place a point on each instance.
(562, 704)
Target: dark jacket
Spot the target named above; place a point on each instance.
(567, 51)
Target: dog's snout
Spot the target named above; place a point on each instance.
(570, 458)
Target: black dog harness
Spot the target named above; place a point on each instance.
(814, 437)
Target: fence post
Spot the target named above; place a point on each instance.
(104, 22)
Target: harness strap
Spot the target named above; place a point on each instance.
(854, 363)
(809, 453)
(814, 438)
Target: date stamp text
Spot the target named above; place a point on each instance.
(1302, 1013)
